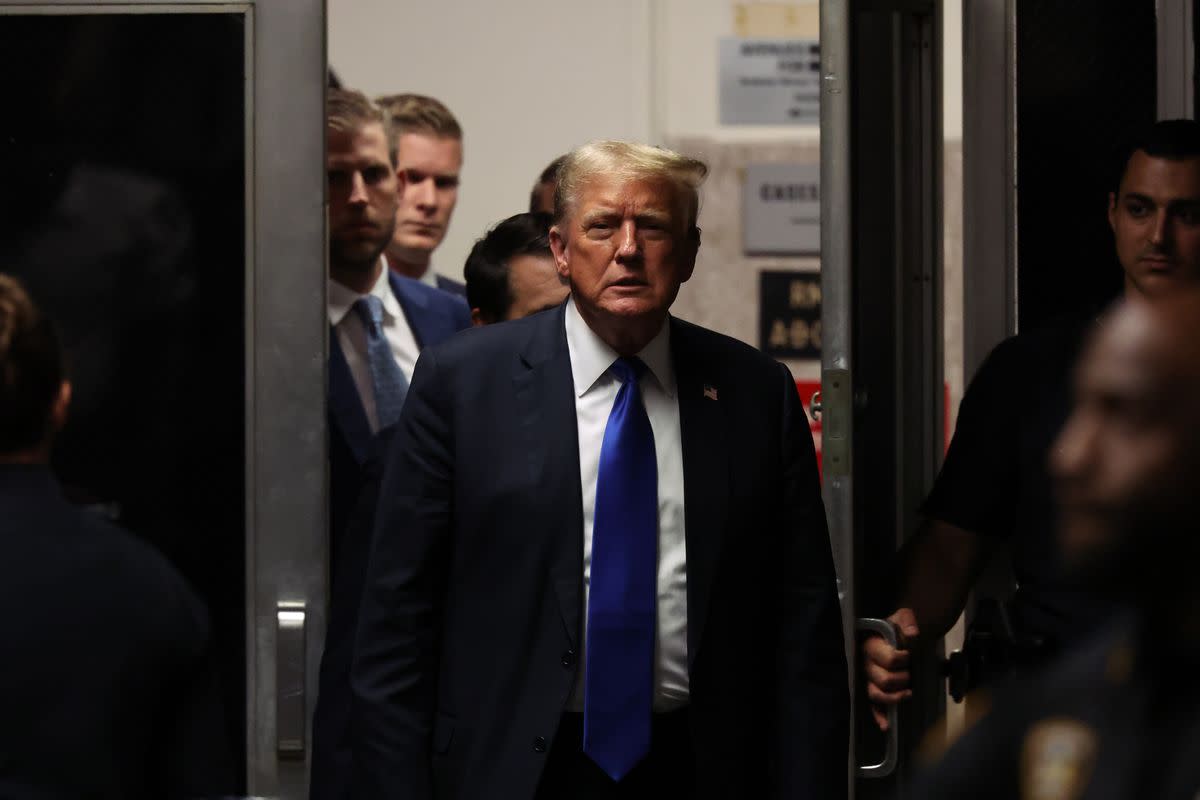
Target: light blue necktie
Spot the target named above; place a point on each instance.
(387, 379)
(619, 682)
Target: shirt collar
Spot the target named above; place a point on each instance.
(342, 298)
(591, 356)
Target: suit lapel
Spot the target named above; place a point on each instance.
(546, 415)
(704, 435)
(416, 310)
(345, 406)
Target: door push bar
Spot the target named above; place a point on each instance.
(885, 629)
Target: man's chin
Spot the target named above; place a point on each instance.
(414, 246)
(354, 256)
(1096, 559)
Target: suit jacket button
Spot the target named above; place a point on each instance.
(568, 659)
(539, 745)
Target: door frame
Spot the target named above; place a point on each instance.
(286, 532)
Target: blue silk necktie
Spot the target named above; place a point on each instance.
(619, 680)
(387, 379)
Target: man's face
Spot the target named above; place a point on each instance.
(362, 195)
(534, 285)
(625, 248)
(1155, 220)
(428, 167)
(1125, 464)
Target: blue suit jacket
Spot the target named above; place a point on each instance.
(433, 316)
(471, 611)
(452, 286)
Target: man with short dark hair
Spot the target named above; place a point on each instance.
(511, 272)
(1120, 718)
(541, 198)
(601, 567)
(994, 484)
(428, 142)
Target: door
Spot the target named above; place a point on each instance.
(164, 203)
(882, 385)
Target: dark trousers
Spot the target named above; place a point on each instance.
(667, 771)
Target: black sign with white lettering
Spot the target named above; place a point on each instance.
(790, 314)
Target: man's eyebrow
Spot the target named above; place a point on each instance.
(655, 215)
(598, 213)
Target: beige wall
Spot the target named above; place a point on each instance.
(530, 79)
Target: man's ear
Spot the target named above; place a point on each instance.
(691, 247)
(1112, 211)
(477, 318)
(61, 408)
(558, 246)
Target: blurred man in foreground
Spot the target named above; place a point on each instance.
(1121, 717)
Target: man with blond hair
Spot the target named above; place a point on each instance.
(427, 140)
(600, 566)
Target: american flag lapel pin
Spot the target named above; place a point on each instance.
(710, 391)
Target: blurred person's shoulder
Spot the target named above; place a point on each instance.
(138, 576)
(1049, 723)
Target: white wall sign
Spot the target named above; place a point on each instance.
(770, 81)
(781, 209)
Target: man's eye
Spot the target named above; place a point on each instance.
(1137, 209)
(446, 183)
(375, 174)
(1189, 216)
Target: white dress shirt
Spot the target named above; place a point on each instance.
(595, 393)
(352, 336)
(429, 277)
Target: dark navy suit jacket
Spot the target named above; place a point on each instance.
(433, 316)
(355, 456)
(473, 602)
(107, 688)
(452, 286)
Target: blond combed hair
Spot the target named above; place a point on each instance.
(418, 113)
(349, 111)
(612, 158)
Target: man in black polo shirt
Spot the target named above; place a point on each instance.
(994, 484)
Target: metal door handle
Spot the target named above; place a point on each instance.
(891, 751)
(814, 404)
(290, 711)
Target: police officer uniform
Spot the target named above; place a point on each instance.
(1119, 718)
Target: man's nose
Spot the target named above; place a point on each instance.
(628, 245)
(1160, 233)
(1072, 451)
(358, 189)
(425, 193)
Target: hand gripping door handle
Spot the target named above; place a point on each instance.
(887, 630)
